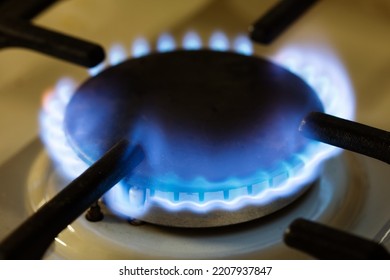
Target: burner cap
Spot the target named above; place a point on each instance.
(201, 116)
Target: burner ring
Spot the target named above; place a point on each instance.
(215, 126)
(198, 115)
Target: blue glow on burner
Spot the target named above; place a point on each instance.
(243, 45)
(52, 133)
(324, 73)
(166, 43)
(219, 41)
(97, 69)
(140, 47)
(318, 67)
(192, 41)
(117, 54)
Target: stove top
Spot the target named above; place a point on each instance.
(352, 191)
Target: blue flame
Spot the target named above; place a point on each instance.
(140, 47)
(318, 68)
(117, 54)
(97, 69)
(192, 41)
(166, 43)
(219, 41)
(243, 45)
(68, 164)
(324, 73)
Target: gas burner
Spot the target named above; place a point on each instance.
(215, 126)
(177, 95)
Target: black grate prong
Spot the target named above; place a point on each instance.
(271, 25)
(17, 31)
(34, 236)
(323, 242)
(349, 135)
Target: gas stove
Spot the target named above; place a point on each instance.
(329, 45)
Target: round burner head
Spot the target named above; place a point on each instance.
(208, 121)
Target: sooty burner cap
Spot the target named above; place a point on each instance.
(197, 114)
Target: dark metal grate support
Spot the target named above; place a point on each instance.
(349, 135)
(16, 30)
(326, 243)
(34, 236)
(271, 25)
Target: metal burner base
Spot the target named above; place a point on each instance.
(335, 199)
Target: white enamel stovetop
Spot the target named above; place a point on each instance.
(357, 32)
